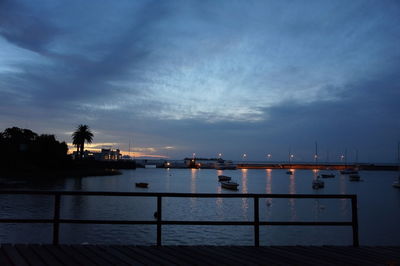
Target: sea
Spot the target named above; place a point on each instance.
(378, 208)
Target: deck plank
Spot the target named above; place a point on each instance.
(134, 255)
(4, 259)
(14, 256)
(45, 255)
(184, 256)
(159, 252)
(154, 258)
(121, 256)
(29, 255)
(60, 255)
(71, 255)
(229, 256)
(97, 256)
(78, 255)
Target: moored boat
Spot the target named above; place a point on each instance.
(327, 175)
(318, 183)
(142, 185)
(224, 178)
(229, 185)
(354, 177)
(349, 171)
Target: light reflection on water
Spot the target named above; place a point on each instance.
(378, 215)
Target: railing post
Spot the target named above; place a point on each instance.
(159, 213)
(56, 219)
(256, 222)
(354, 221)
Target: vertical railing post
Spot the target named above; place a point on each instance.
(354, 220)
(56, 219)
(159, 213)
(256, 223)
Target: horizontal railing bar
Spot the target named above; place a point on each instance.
(170, 222)
(178, 195)
(308, 223)
(24, 221)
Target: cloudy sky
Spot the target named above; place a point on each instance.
(173, 78)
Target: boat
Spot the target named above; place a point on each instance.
(224, 178)
(290, 172)
(349, 171)
(354, 177)
(318, 183)
(327, 175)
(397, 183)
(229, 185)
(142, 185)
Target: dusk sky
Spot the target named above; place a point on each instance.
(175, 78)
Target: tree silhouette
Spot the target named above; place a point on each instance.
(81, 135)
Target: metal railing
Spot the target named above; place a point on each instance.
(256, 223)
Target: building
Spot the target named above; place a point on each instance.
(103, 155)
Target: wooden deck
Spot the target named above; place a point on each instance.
(195, 255)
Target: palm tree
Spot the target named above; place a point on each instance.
(81, 135)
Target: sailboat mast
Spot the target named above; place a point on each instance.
(316, 153)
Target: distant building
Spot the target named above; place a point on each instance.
(103, 155)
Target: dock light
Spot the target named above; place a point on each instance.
(291, 156)
(219, 155)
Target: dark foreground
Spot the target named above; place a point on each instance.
(196, 255)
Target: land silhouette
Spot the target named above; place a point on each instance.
(30, 155)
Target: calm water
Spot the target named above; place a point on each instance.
(378, 209)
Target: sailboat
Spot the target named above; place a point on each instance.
(289, 172)
(348, 171)
(396, 184)
(317, 183)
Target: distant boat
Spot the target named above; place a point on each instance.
(229, 185)
(397, 183)
(354, 177)
(150, 166)
(318, 183)
(224, 178)
(290, 172)
(349, 171)
(142, 185)
(327, 175)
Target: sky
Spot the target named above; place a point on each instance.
(167, 79)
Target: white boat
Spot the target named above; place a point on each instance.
(318, 183)
(150, 166)
(397, 183)
(229, 185)
(354, 177)
(224, 178)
